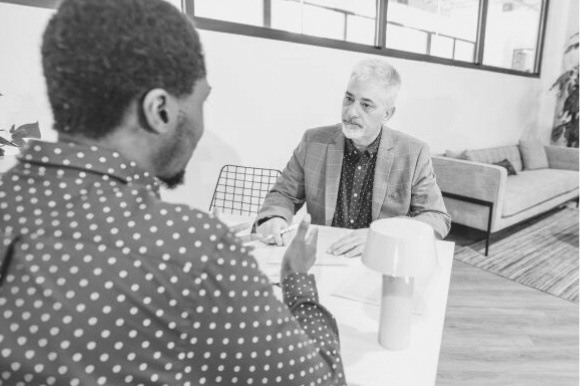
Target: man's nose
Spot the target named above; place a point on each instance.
(353, 111)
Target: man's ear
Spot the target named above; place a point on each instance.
(389, 113)
(156, 110)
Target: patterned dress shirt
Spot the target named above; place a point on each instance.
(104, 284)
(355, 192)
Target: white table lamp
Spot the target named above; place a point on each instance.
(402, 250)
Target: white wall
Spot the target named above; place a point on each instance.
(21, 82)
(266, 93)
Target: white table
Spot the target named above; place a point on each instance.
(356, 310)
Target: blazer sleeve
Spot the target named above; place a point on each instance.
(426, 200)
(288, 194)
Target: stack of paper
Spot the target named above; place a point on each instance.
(270, 257)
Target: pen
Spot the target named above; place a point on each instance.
(283, 231)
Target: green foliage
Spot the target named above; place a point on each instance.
(16, 135)
(567, 86)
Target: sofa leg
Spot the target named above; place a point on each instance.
(488, 235)
(487, 243)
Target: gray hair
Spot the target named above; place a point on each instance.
(381, 71)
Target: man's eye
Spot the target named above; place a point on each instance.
(347, 99)
(367, 106)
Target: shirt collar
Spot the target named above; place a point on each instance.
(93, 159)
(370, 151)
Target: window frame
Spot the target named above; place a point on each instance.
(379, 48)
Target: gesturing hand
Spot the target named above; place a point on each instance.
(301, 253)
(351, 245)
(273, 227)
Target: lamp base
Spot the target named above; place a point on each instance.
(396, 309)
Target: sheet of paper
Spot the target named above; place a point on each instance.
(365, 285)
(326, 237)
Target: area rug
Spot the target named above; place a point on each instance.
(542, 255)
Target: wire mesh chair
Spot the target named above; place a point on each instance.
(242, 189)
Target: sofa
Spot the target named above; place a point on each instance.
(481, 195)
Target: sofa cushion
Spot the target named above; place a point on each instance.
(529, 188)
(456, 154)
(497, 154)
(508, 166)
(533, 154)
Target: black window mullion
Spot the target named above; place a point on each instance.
(267, 13)
(188, 7)
(541, 35)
(481, 25)
(381, 24)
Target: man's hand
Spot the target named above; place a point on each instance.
(301, 253)
(351, 245)
(238, 228)
(273, 227)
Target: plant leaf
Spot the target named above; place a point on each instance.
(4, 141)
(29, 130)
(557, 132)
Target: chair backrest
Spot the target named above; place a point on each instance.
(242, 189)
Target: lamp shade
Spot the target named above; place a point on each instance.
(400, 247)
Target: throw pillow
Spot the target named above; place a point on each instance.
(533, 154)
(508, 165)
(456, 154)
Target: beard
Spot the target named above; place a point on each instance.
(173, 181)
(352, 131)
(171, 153)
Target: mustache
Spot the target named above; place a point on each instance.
(351, 122)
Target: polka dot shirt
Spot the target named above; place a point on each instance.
(102, 283)
(355, 192)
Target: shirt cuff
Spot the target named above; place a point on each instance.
(299, 288)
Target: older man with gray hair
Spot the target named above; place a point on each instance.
(353, 173)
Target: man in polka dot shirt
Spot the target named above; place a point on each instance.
(358, 171)
(101, 282)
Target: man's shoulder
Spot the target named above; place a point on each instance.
(182, 217)
(406, 143)
(323, 134)
(182, 226)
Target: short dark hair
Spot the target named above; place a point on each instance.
(100, 55)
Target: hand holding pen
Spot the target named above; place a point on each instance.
(273, 231)
(268, 239)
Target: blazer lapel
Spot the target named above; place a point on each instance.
(385, 157)
(334, 156)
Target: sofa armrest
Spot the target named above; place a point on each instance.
(477, 180)
(472, 179)
(560, 157)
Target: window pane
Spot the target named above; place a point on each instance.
(464, 51)
(244, 12)
(334, 19)
(360, 29)
(407, 39)
(322, 22)
(176, 3)
(442, 46)
(444, 25)
(511, 34)
(287, 15)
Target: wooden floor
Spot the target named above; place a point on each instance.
(498, 332)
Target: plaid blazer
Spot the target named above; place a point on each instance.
(404, 182)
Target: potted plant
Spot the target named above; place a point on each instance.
(567, 86)
(14, 137)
